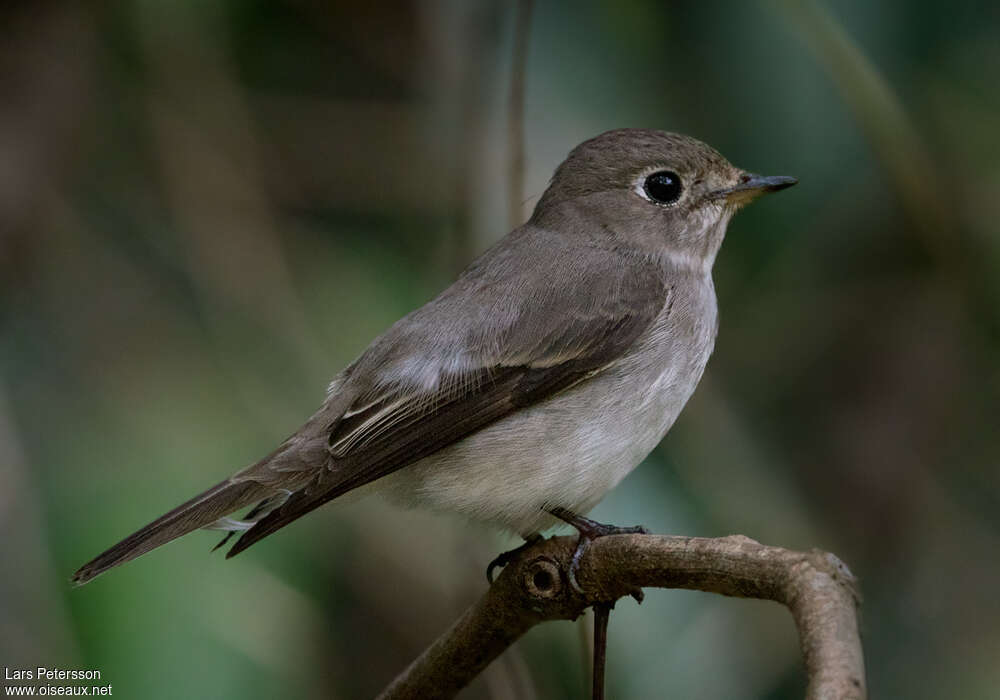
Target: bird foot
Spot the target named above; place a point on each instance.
(590, 530)
(504, 558)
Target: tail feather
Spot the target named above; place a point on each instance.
(203, 509)
(292, 508)
(250, 519)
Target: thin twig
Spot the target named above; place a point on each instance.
(602, 613)
(817, 588)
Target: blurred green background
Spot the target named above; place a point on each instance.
(207, 209)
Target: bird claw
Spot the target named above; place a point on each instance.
(582, 544)
(504, 558)
(591, 530)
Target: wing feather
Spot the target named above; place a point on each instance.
(471, 356)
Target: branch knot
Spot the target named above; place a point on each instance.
(542, 578)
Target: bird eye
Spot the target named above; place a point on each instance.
(663, 187)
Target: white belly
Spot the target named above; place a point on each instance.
(571, 449)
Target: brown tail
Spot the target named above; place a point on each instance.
(298, 504)
(203, 509)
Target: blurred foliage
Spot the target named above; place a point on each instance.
(207, 209)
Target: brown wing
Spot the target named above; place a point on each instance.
(569, 326)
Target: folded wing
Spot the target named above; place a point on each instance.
(515, 329)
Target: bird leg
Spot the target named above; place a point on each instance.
(590, 530)
(505, 558)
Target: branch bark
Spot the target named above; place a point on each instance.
(817, 588)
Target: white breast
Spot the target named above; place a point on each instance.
(571, 449)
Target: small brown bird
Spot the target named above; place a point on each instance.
(533, 384)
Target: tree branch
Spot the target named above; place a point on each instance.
(816, 586)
